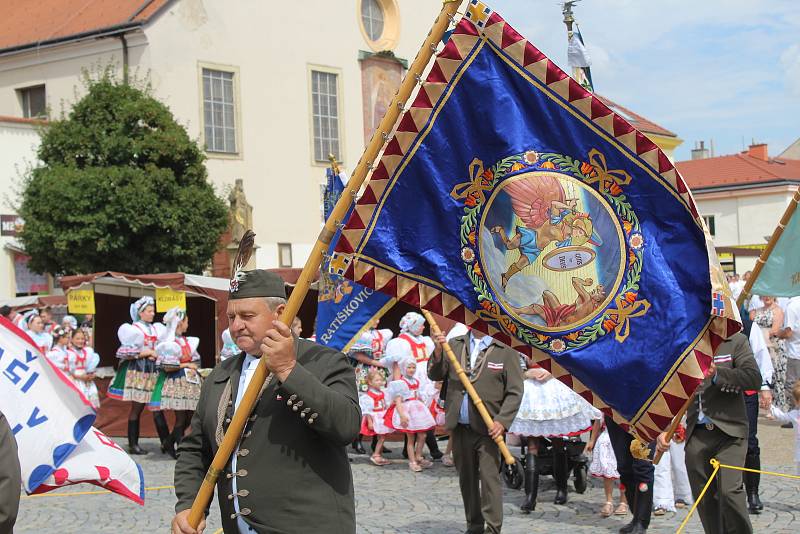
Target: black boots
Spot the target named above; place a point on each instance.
(177, 435)
(531, 484)
(560, 472)
(133, 437)
(167, 443)
(433, 445)
(358, 447)
(751, 482)
(642, 508)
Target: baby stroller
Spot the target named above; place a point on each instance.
(547, 462)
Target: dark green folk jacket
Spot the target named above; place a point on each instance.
(293, 474)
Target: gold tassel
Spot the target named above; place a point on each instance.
(640, 450)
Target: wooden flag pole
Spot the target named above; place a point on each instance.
(476, 400)
(381, 135)
(673, 426)
(776, 235)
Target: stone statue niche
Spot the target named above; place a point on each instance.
(241, 220)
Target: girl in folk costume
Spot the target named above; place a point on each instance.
(59, 354)
(604, 465)
(549, 409)
(437, 408)
(179, 361)
(409, 415)
(137, 374)
(33, 325)
(229, 348)
(360, 357)
(83, 362)
(412, 344)
(373, 408)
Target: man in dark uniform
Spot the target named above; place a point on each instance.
(716, 427)
(290, 471)
(496, 374)
(637, 475)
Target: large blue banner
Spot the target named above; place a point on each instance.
(512, 199)
(344, 308)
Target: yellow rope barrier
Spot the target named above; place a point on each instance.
(759, 471)
(76, 493)
(717, 467)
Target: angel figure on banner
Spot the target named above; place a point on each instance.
(547, 216)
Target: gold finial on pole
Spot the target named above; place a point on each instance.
(334, 163)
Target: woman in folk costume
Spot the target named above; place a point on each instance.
(33, 325)
(373, 407)
(380, 338)
(229, 348)
(549, 409)
(408, 414)
(83, 362)
(412, 344)
(179, 361)
(59, 354)
(137, 374)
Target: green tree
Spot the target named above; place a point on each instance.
(121, 187)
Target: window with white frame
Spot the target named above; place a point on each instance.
(34, 101)
(325, 114)
(219, 111)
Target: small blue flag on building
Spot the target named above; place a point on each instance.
(344, 308)
(780, 275)
(513, 200)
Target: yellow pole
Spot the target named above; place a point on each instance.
(231, 439)
(776, 235)
(462, 376)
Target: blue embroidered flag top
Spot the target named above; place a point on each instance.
(511, 199)
(344, 308)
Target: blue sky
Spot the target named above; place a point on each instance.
(727, 70)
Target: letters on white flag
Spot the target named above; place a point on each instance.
(47, 414)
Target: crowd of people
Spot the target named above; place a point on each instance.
(409, 392)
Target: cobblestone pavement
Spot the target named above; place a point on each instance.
(394, 500)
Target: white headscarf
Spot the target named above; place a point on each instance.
(174, 314)
(411, 322)
(139, 305)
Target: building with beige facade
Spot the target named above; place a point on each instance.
(741, 198)
(270, 90)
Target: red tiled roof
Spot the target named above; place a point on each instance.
(637, 121)
(738, 169)
(29, 23)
